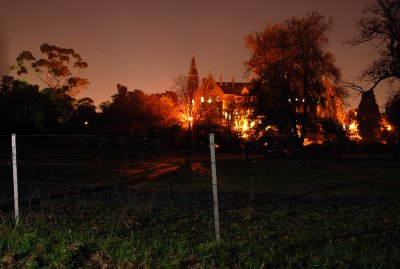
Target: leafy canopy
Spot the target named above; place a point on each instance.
(290, 62)
(55, 69)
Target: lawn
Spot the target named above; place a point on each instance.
(157, 213)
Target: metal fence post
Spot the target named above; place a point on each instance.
(15, 176)
(214, 187)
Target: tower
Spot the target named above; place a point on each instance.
(193, 76)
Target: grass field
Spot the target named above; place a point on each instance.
(275, 213)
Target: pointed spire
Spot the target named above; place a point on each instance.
(193, 67)
(193, 77)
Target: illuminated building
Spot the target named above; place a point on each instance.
(221, 103)
(229, 104)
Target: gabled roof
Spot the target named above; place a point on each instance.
(238, 88)
(209, 84)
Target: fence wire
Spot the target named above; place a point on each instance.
(145, 183)
(98, 179)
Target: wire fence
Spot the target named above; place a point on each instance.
(146, 183)
(125, 180)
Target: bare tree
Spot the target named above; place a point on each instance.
(381, 29)
(187, 96)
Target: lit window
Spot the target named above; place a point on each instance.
(245, 126)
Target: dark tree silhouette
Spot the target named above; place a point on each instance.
(368, 117)
(6, 85)
(63, 102)
(84, 118)
(392, 109)
(128, 112)
(382, 29)
(23, 109)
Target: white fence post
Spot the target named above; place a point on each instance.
(15, 176)
(214, 187)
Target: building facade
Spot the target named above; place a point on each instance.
(220, 104)
(229, 105)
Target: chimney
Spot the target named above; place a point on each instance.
(220, 80)
(204, 81)
(233, 83)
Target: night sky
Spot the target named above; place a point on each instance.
(145, 44)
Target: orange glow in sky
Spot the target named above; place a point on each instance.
(145, 44)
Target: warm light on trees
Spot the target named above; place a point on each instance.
(186, 96)
(392, 109)
(139, 113)
(166, 106)
(290, 61)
